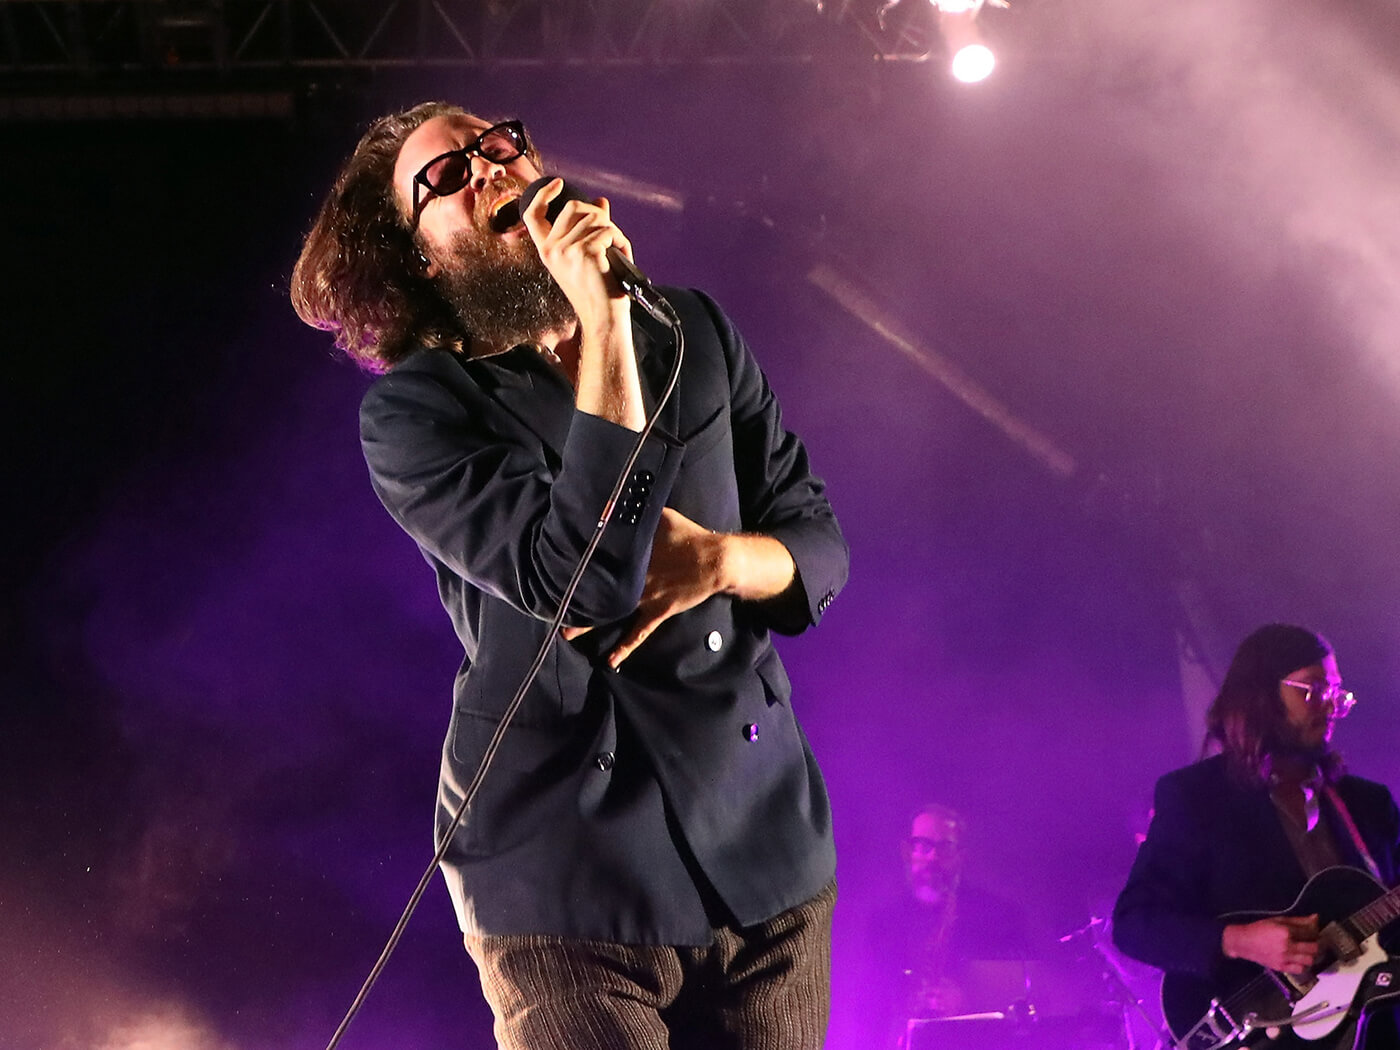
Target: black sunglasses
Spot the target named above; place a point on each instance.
(446, 174)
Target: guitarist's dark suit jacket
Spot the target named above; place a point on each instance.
(613, 790)
(1216, 846)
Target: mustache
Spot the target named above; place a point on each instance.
(509, 213)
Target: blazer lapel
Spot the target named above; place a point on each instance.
(1257, 821)
(538, 397)
(530, 391)
(655, 356)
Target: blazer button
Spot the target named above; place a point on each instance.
(604, 760)
(714, 641)
(751, 732)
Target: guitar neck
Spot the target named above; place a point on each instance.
(1380, 913)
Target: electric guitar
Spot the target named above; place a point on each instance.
(1319, 1010)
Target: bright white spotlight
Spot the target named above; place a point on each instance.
(962, 7)
(973, 63)
(957, 21)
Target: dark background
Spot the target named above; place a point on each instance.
(1166, 238)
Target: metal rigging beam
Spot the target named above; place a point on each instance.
(108, 38)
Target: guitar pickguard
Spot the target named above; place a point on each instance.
(1325, 1005)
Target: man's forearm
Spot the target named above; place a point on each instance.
(754, 567)
(689, 563)
(608, 383)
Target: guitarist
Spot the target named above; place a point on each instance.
(1246, 829)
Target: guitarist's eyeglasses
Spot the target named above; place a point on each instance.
(1342, 700)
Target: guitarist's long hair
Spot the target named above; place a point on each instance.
(1247, 720)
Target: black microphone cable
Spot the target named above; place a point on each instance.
(656, 304)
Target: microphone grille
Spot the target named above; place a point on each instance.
(568, 193)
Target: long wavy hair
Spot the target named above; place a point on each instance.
(360, 272)
(1247, 720)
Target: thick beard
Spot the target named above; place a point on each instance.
(933, 885)
(1293, 747)
(500, 291)
(1289, 746)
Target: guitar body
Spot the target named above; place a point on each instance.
(1204, 1015)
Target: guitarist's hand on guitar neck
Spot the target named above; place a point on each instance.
(1284, 943)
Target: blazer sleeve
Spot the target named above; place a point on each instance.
(1161, 917)
(489, 506)
(779, 495)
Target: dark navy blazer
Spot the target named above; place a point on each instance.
(1217, 846)
(611, 788)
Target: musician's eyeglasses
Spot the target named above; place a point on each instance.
(925, 847)
(1342, 700)
(449, 172)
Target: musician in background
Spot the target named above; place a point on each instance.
(1245, 829)
(923, 945)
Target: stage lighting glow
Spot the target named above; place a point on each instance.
(957, 21)
(962, 7)
(163, 1027)
(973, 63)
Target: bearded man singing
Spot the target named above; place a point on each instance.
(649, 862)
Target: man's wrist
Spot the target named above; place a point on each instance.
(753, 567)
(720, 561)
(608, 384)
(599, 328)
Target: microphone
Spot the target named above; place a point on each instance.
(631, 279)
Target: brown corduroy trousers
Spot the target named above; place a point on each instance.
(764, 987)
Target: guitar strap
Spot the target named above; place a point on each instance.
(1345, 814)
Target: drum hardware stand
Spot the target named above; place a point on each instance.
(1123, 995)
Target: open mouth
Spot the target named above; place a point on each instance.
(504, 215)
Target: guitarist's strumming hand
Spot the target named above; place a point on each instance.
(1286, 943)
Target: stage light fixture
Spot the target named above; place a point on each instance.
(972, 63)
(972, 59)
